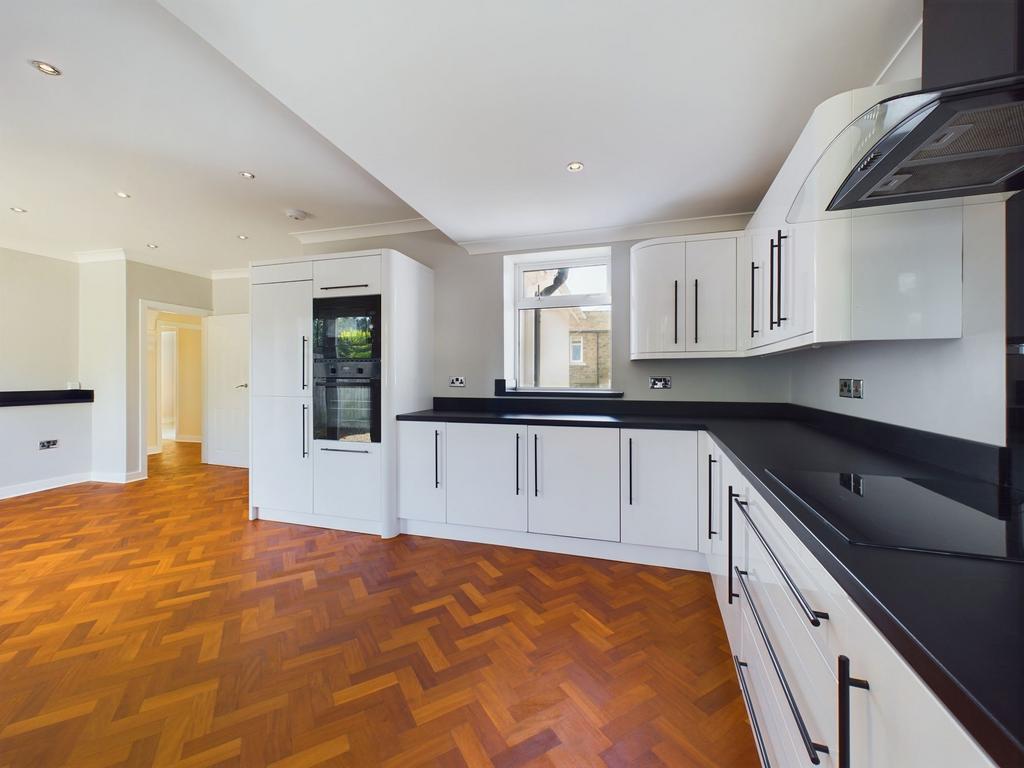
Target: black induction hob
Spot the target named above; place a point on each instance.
(963, 517)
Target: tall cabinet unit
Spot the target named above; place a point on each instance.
(281, 475)
(333, 483)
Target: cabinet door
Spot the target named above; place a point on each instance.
(659, 488)
(711, 292)
(347, 479)
(282, 470)
(573, 481)
(421, 470)
(760, 315)
(657, 297)
(352, 276)
(282, 322)
(486, 474)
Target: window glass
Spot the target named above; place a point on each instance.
(567, 281)
(548, 343)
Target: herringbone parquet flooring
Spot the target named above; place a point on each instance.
(152, 624)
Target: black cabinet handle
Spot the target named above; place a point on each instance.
(305, 341)
(305, 450)
(696, 316)
(732, 496)
(711, 496)
(845, 684)
(631, 471)
(675, 311)
(340, 287)
(771, 286)
(778, 294)
(517, 463)
(753, 270)
(536, 490)
(345, 450)
(437, 472)
(758, 738)
(812, 747)
(813, 616)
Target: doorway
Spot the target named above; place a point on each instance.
(174, 384)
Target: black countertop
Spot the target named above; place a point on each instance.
(12, 399)
(959, 622)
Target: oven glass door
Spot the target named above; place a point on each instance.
(347, 409)
(347, 328)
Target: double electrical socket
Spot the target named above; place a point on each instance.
(661, 382)
(456, 381)
(45, 445)
(851, 388)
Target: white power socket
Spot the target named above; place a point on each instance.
(456, 381)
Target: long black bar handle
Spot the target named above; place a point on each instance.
(675, 312)
(779, 319)
(305, 341)
(696, 315)
(305, 450)
(731, 497)
(631, 471)
(536, 490)
(758, 738)
(812, 747)
(711, 496)
(753, 279)
(845, 684)
(813, 616)
(340, 287)
(517, 463)
(771, 286)
(437, 471)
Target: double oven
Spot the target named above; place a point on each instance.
(347, 369)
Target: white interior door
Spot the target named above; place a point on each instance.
(226, 350)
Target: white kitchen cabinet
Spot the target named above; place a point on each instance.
(657, 297)
(282, 468)
(422, 485)
(486, 475)
(348, 276)
(573, 481)
(282, 325)
(711, 295)
(783, 285)
(347, 479)
(658, 487)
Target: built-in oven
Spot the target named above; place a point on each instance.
(346, 401)
(347, 328)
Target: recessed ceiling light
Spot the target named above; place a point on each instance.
(16, 209)
(46, 69)
(152, 245)
(243, 237)
(247, 175)
(123, 195)
(574, 167)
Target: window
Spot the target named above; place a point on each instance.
(558, 318)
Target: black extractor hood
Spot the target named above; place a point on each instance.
(963, 133)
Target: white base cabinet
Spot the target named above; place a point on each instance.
(421, 470)
(573, 481)
(486, 475)
(658, 487)
(282, 466)
(348, 479)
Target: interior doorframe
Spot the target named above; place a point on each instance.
(159, 306)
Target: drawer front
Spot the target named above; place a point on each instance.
(762, 709)
(352, 276)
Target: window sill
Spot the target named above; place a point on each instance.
(501, 391)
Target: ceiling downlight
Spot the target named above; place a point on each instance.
(574, 167)
(46, 68)
(249, 175)
(16, 209)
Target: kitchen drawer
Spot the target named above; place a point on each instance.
(347, 479)
(762, 708)
(351, 276)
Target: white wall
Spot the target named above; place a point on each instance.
(231, 296)
(38, 322)
(23, 467)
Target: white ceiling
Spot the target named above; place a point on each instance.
(147, 107)
(471, 109)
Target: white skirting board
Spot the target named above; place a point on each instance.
(47, 484)
(188, 438)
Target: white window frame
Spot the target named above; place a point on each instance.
(516, 300)
(576, 344)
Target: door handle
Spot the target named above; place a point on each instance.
(340, 287)
(771, 286)
(241, 386)
(675, 312)
(732, 496)
(305, 450)
(305, 341)
(536, 490)
(711, 496)
(696, 316)
(345, 450)
(753, 269)
(845, 684)
(437, 476)
(517, 463)
(631, 471)
(778, 294)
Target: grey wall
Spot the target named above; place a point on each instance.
(468, 330)
(231, 296)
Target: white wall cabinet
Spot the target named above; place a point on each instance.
(282, 467)
(486, 475)
(573, 481)
(348, 276)
(658, 488)
(657, 297)
(347, 479)
(421, 470)
(711, 293)
(282, 326)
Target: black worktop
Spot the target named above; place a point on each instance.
(11, 399)
(959, 622)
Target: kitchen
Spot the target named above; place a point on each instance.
(724, 489)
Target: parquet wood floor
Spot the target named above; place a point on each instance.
(152, 624)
